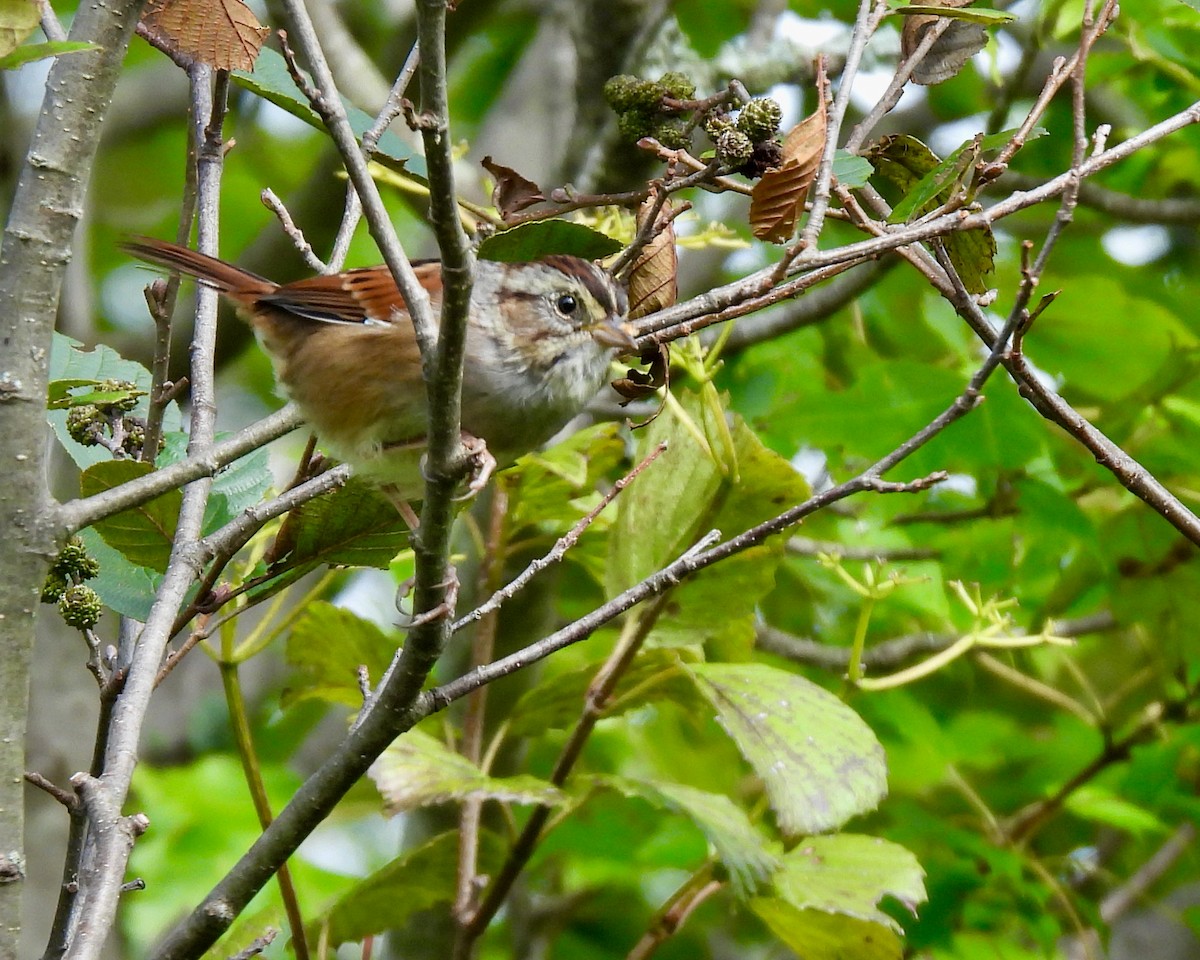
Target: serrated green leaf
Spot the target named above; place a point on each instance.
(242, 484)
(971, 14)
(416, 881)
(271, 81)
(902, 160)
(820, 763)
(746, 853)
(40, 51)
(142, 534)
(18, 19)
(355, 526)
(555, 703)
(850, 874)
(824, 936)
(326, 646)
(417, 770)
(532, 241)
(235, 486)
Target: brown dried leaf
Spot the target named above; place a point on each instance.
(225, 34)
(961, 41)
(778, 198)
(513, 192)
(653, 281)
(639, 384)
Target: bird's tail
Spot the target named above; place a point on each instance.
(238, 284)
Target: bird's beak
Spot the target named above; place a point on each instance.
(617, 334)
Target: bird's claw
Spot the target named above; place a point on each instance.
(483, 465)
(443, 611)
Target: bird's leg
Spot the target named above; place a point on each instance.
(483, 465)
(445, 609)
(403, 507)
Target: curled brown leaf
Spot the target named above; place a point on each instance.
(778, 198)
(950, 53)
(653, 279)
(512, 192)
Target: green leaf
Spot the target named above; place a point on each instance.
(1106, 339)
(532, 241)
(271, 81)
(746, 853)
(326, 646)
(18, 19)
(927, 182)
(71, 362)
(40, 51)
(60, 397)
(417, 770)
(820, 764)
(823, 936)
(242, 484)
(686, 492)
(851, 170)
(235, 487)
(122, 586)
(1095, 803)
(973, 253)
(555, 703)
(142, 534)
(936, 185)
(416, 881)
(981, 15)
(850, 874)
(735, 587)
(543, 485)
(708, 24)
(662, 514)
(356, 526)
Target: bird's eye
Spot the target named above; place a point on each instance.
(566, 304)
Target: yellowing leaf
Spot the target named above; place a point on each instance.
(418, 769)
(18, 18)
(225, 34)
(778, 198)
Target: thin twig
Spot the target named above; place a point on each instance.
(294, 233)
(560, 548)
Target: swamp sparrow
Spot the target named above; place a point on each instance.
(539, 340)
